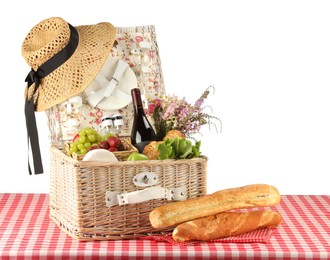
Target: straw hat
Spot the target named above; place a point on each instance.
(90, 46)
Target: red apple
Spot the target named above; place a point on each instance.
(93, 147)
(113, 149)
(112, 140)
(104, 145)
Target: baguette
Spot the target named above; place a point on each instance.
(225, 224)
(255, 195)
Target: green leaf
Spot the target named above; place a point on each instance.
(175, 142)
(165, 151)
(196, 149)
(178, 148)
(185, 148)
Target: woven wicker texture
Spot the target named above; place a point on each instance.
(77, 194)
(49, 37)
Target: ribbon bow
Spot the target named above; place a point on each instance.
(31, 125)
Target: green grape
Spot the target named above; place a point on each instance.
(98, 137)
(89, 130)
(87, 145)
(73, 148)
(87, 137)
(83, 151)
(82, 132)
(91, 138)
(82, 139)
(80, 147)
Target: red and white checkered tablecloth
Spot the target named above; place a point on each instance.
(26, 232)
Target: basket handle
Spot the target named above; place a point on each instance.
(113, 198)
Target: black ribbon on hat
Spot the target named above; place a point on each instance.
(34, 77)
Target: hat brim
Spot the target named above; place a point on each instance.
(73, 76)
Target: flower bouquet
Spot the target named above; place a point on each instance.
(172, 113)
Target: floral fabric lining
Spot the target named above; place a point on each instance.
(138, 47)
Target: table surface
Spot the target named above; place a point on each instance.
(27, 232)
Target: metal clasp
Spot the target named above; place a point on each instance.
(145, 179)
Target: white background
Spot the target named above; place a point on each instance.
(268, 60)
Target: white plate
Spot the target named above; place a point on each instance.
(100, 155)
(127, 82)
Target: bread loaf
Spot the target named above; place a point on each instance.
(255, 195)
(174, 134)
(151, 150)
(225, 224)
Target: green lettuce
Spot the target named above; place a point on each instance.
(178, 148)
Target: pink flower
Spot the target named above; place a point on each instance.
(151, 54)
(169, 111)
(138, 38)
(98, 121)
(151, 108)
(199, 102)
(183, 113)
(99, 113)
(153, 104)
(57, 116)
(158, 102)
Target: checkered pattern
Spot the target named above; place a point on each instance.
(26, 232)
(257, 236)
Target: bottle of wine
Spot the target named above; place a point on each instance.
(142, 131)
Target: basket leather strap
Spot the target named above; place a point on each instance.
(33, 79)
(150, 193)
(111, 88)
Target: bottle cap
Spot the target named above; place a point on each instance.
(107, 121)
(118, 120)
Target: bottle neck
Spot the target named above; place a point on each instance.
(137, 101)
(136, 97)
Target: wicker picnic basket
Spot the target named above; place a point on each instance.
(111, 201)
